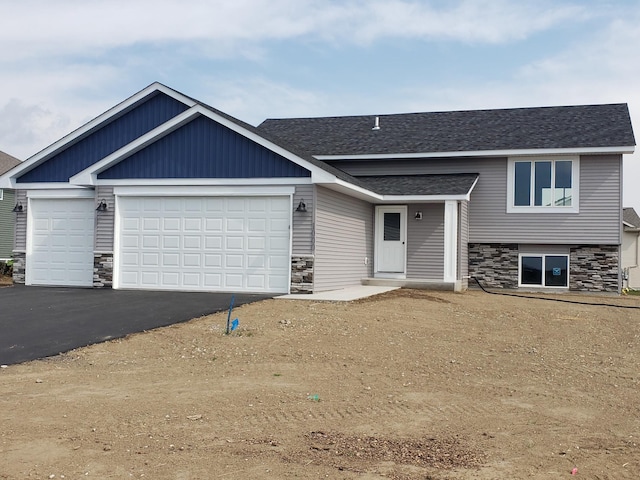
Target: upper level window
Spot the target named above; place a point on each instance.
(543, 185)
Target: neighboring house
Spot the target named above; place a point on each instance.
(631, 248)
(164, 192)
(7, 202)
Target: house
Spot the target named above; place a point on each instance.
(631, 248)
(7, 202)
(165, 192)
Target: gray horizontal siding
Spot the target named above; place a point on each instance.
(303, 222)
(425, 242)
(21, 223)
(597, 223)
(344, 238)
(105, 225)
(7, 220)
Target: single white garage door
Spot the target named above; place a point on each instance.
(60, 242)
(203, 243)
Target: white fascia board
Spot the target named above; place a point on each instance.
(423, 198)
(49, 186)
(483, 153)
(202, 190)
(167, 182)
(62, 193)
(41, 156)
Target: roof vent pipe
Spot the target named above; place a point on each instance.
(376, 125)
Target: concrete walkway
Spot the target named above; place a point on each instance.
(342, 295)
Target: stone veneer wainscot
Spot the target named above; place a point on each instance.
(302, 274)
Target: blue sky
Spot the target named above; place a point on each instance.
(65, 62)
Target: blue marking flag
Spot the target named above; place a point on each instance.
(234, 324)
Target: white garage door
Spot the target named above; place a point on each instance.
(60, 242)
(204, 243)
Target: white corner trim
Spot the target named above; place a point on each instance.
(450, 241)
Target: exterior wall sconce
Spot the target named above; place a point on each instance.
(18, 208)
(302, 207)
(418, 216)
(102, 206)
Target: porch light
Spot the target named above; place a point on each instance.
(102, 206)
(418, 216)
(302, 207)
(18, 208)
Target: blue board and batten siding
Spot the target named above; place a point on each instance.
(203, 148)
(489, 222)
(142, 117)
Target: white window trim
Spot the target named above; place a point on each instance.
(1, 194)
(543, 255)
(575, 185)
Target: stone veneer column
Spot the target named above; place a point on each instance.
(594, 268)
(102, 270)
(495, 265)
(302, 274)
(19, 265)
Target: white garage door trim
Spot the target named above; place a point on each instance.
(60, 238)
(203, 243)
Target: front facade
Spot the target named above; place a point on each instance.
(165, 193)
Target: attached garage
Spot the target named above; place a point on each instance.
(60, 242)
(203, 243)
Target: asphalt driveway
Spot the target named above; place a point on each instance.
(38, 322)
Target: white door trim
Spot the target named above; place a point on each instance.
(379, 239)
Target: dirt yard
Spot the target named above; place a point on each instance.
(405, 385)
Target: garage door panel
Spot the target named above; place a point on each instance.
(170, 241)
(192, 242)
(212, 242)
(221, 243)
(60, 235)
(151, 224)
(213, 261)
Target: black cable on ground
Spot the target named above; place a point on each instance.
(552, 299)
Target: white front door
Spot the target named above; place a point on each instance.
(391, 236)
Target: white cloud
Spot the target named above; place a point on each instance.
(77, 27)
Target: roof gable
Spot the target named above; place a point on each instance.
(203, 148)
(630, 217)
(570, 127)
(105, 138)
(7, 162)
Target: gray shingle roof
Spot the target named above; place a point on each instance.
(630, 216)
(7, 162)
(453, 184)
(460, 131)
